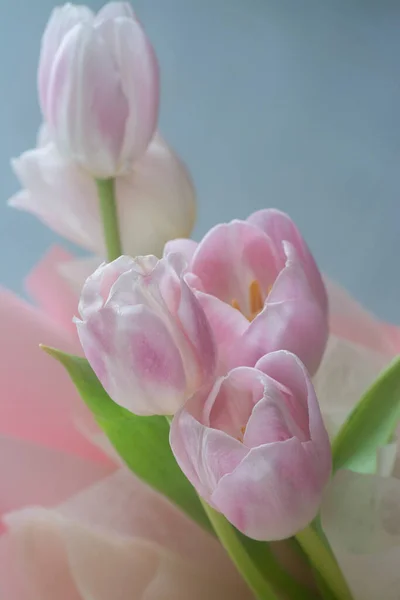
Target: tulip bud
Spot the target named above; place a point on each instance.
(255, 447)
(98, 86)
(145, 334)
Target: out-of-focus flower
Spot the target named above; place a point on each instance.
(359, 347)
(260, 289)
(80, 524)
(255, 447)
(145, 334)
(98, 86)
(360, 513)
(360, 516)
(155, 201)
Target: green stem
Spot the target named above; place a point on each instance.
(108, 210)
(228, 538)
(324, 562)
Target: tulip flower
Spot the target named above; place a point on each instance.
(145, 334)
(255, 447)
(260, 288)
(98, 86)
(155, 201)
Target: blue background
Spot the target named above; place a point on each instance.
(286, 103)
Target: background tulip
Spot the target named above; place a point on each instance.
(255, 447)
(260, 288)
(98, 86)
(145, 334)
(155, 200)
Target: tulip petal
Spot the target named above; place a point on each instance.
(75, 272)
(113, 10)
(204, 454)
(62, 20)
(184, 246)
(292, 320)
(60, 194)
(38, 407)
(145, 352)
(227, 323)
(32, 474)
(199, 331)
(230, 257)
(280, 228)
(81, 563)
(83, 85)
(141, 544)
(156, 201)
(51, 291)
(289, 371)
(137, 66)
(273, 492)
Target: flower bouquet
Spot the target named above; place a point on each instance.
(206, 419)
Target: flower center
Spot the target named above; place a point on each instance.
(256, 301)
(241, 434)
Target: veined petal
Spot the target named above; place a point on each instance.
(273, 492)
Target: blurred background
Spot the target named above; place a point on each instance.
(271, 103)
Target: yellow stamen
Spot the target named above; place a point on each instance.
(235, 304)
(241, 435)
(256, 299)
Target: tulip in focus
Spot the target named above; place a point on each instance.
(255, 447)
(98, 86)
(145, 334)
(260, 288)
(155, 200)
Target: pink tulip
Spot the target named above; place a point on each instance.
(98, 86)
(260, 288)
(255, 447)
(78, 526)
(145, 334)
(155, 200)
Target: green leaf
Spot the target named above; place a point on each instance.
(142, 442)
(370, 425)
(263, 557)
